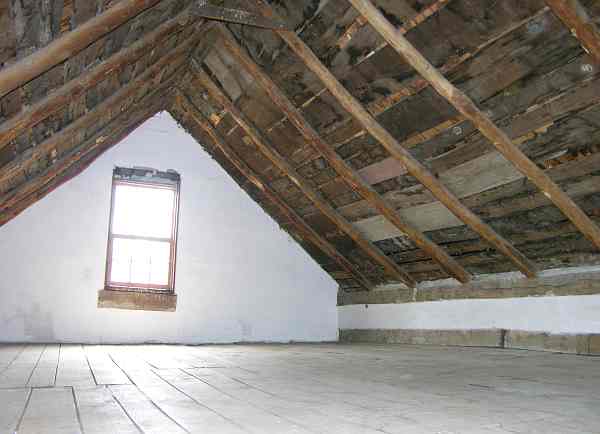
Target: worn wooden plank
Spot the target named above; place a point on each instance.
(20, 370)
(488, 128)
(413, 166)
(12, 403)
(298, 222)
(50, 411)
(219, 394)
(73, 368)
(100, 413)
(583, 27)
(103, 368)
(8, 354)
(69, 44)
(143, 411)
(524, 193)
(44, 374)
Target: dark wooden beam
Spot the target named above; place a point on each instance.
(345, 39)
(69, 44)
(63, 96)
(413, 166)
(205, 10)
(575, 17)
(68, 134)
(484, 124)
(350, 176)
(188, 109)
(79, 158)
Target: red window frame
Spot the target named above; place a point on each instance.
(132, 286)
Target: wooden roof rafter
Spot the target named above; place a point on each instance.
(388, 101)
(413, 166)
(349, 175)
(81, 156)
(488, 128)
(70, 43)
(574, 16)
(61, 97)
(344, 131)
(182, 102)
(267, 149)
(178, 56)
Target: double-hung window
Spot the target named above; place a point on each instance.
(142, 240)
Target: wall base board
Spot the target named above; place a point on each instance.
(584, 344)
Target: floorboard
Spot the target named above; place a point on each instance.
(281, 389)
(51, 411)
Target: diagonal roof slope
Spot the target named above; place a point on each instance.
(486, 160)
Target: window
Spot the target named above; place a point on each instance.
(142, 239)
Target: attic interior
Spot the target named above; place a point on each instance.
(385, 212)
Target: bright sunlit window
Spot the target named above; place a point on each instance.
(143, 230)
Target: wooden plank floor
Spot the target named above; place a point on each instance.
(295, 389)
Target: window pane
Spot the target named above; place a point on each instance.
(143, 211)
(140, 262)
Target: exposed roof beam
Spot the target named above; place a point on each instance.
(69, 44)
(344, 131)
(63, 96)
(413, 166)
(68, 134)
(349, 175)
(267, 149)
(575, 17)
(345, 39)
(78, 159)
(238, 16)
(488, 128)
(188, 109)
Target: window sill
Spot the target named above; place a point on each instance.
(137, 300)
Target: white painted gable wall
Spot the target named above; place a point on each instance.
(239, 277)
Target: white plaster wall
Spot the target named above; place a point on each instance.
(239, 277)
(571, 314)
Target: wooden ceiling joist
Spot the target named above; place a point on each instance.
(69, 44)
(484, 124)
(575, 17)
(298, 222)
(347, 173)
(175, 56)
(63, 96)
(413, 166)
(267, 149)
